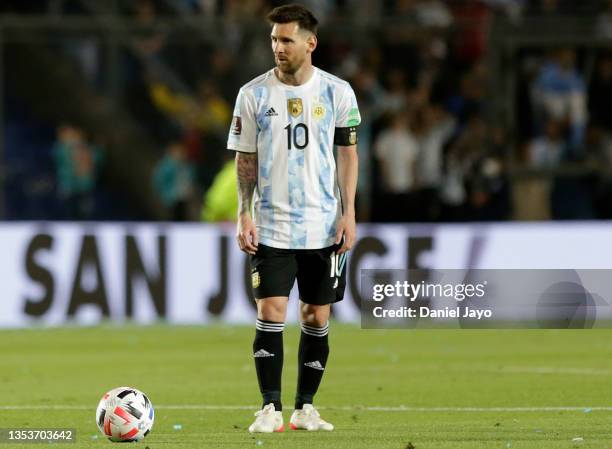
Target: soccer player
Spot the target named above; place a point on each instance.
(296, 215)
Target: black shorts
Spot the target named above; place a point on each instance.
(321, 273)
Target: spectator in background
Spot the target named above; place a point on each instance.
(210, 116)
(432, 54)
(395, 98)
(174, 180)
(435, 130)
(471, 95)
(209, 111)
(370, 93)
(560, 93)
(370, 96)
(77, 164)
(545, 152)
(570, 196)
(214, 112)
(221, 199)
(489, 190)
(139, 64)
(460, 160)
(396, 149)
(203, 121)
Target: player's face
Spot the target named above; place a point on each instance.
(291, 46)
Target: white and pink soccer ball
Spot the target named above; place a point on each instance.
(125, 414)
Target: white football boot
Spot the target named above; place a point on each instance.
(267, 420)
(309, 419)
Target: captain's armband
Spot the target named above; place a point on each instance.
(345, 136)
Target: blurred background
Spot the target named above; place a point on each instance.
(487, 125)
(472, 110)
(478, 116)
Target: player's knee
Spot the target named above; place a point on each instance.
(272, 309)
(314, 315)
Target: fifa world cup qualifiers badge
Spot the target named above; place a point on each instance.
(237, 126)
(255, 279)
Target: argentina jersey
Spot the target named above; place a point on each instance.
(297, 198)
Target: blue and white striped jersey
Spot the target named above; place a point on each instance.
(297, 199)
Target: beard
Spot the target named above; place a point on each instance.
(289, 68)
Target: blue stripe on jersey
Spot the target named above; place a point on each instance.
(326, 170)
(265, 211)
(297, 194)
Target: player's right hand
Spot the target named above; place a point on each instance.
(247, 234)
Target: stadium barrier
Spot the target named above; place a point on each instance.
(61, 273)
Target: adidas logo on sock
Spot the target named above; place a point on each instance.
(316, 365)
(263, 353)
(271, 112)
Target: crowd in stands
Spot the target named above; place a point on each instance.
(78, 163)
(432, 148)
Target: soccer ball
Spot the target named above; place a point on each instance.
(125, 414)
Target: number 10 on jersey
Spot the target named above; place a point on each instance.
(293, 134)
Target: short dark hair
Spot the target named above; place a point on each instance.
(294, 13)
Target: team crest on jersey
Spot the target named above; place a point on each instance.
(255, 279)
(318, 111)
(295, 106)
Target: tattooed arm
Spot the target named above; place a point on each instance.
(246, 171)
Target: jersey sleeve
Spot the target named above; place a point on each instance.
(243, 131)
(347, 113)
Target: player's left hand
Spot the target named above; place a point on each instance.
(347, 228)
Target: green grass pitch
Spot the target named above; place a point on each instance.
(427, 389)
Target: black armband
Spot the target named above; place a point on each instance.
(345, 136)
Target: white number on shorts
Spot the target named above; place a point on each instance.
(337, 264)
